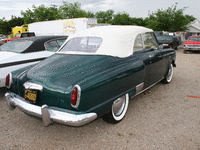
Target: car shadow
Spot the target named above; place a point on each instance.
(3, 91)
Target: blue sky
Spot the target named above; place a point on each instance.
(135, 8)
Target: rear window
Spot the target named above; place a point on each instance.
(82, 44)
(16, 46)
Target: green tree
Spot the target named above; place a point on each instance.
(104, 16)
(121, 19)
(169, 20)
(67, 10)
(89, 14)
(40, 13)
(3, 26)
(72, 10)
(6, 26)
(138, 21)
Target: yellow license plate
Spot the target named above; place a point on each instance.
(30, 95)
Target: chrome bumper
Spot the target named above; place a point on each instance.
(49, 114)
(192, 48)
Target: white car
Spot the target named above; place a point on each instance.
(26, 51)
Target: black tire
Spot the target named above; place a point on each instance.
(118, 110)
(168, 78)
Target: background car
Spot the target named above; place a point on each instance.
(192, 44)
(169, 41)
(20, 35)
(26, 51)
(94, 74)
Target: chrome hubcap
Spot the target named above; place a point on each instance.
(170, 73)
(119, 105)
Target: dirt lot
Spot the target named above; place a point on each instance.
(167, 117)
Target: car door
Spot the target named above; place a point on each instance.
(143, 54)
(155, 61)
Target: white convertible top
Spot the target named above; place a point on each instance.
(118, 41)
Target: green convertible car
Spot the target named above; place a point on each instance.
(93, 74)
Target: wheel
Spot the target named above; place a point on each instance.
(118, 110)
(169, 75)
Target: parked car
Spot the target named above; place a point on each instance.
(20, 35)
(26, 51)
(192, 44)
(168, 41)
(93, 74)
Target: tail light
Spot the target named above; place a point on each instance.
(8, 80)
(76, 94)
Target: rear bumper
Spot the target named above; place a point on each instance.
(49, 114)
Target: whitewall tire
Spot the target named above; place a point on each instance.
(118, 110)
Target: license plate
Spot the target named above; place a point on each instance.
(30, 95)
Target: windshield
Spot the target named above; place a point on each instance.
(16, 46)
(194, 39)
(164, 38)
(82, 44)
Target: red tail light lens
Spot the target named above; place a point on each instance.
(74, 96)
(8, 80)
(75, 99)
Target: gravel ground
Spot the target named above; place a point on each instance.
(166, 117)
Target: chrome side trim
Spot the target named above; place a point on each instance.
(32, 86)
(48, 114)
(139, 87)
(146, 88)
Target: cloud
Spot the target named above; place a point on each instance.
(5, 8)
(104, 5)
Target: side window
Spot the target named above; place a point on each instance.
(149, 41)
(60, 42)
(138, 43)
(53, 45)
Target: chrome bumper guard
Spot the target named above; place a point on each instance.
(48, 114)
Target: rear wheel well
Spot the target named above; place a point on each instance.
(173, 63)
